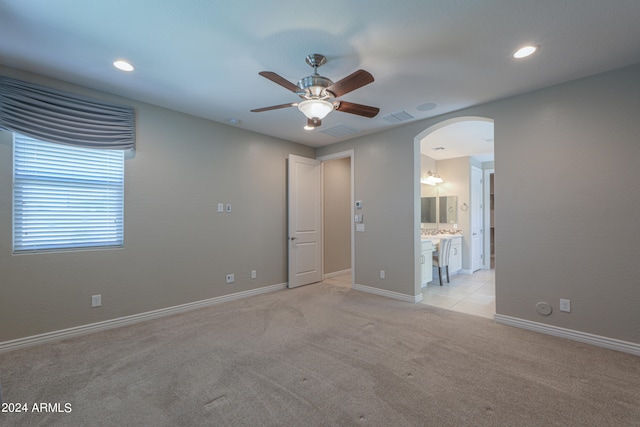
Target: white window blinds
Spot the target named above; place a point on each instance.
(66, 197)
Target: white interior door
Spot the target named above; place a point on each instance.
(476, 219)
(305, 221)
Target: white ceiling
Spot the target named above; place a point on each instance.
(202, 57)
(473, 138)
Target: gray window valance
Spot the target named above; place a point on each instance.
(55, 116)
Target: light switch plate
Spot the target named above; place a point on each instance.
(96, 300)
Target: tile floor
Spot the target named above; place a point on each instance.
(467, 293)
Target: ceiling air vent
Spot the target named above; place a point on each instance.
(398, 117)
(339, 131)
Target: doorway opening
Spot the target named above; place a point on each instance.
(460, 151)
(337, 218)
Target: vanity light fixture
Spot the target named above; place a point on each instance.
(432, 179)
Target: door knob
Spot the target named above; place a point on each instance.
(292, 238)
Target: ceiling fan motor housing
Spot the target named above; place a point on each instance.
(314, 87)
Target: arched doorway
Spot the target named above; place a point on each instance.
(460, 151)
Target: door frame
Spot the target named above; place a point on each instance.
(476, 199)
(341, 155)
(486, 204)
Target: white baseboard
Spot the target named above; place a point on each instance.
(336, 273)
(597, 340)
(388, 294)
(135, 318)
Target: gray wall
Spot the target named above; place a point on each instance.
(337, 215)
(386, 181)
(178, 249)
(567, 196)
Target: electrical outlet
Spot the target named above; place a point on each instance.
(96, 300)
(565, 305)
(382, 274)
(228, 207)
(254, 274)
(231, 278)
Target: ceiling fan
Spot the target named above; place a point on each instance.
(318, 93)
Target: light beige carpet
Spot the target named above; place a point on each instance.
(322, 355)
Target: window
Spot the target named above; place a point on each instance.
(66, 197)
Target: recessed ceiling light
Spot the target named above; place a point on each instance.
(123, 65)
(523, 52)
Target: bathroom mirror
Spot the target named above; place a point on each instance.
(438, 211)
(448, 210)
(428, 210)
(428, 206)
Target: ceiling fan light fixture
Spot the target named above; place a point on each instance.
(312, 124)
(315, 108)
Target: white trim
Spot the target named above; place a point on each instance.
(486, 262)
(597, 340)
(336, 273)
(388, 294)
(335, 156)
(129, 320)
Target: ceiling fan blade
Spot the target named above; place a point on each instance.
(277, 79)
(359, 109)
(350, 83)
(274, 107)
